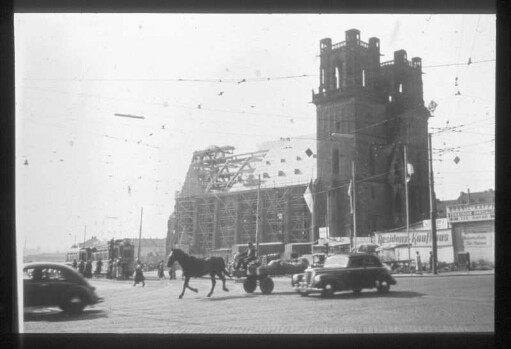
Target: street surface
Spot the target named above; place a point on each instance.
(417, 304)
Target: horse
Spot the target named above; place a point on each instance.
(195, 267)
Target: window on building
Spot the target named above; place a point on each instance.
(335, 162)
(363, 78)
(314, 156)
(298, 158)
(281, 174)
(268, 162)
(390, 98)
(297, 171)
(266, 175)
(282, 160)
(400, 88)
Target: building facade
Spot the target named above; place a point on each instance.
(367, 111)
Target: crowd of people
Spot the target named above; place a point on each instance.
(116, 269)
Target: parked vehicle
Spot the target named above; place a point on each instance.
(344, 272)
(55, 284)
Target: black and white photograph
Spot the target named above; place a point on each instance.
(255, 173)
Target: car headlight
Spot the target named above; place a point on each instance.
(317, 279)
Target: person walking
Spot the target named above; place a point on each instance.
(110, 269)
(81, 266)
(418, 263)
(139, 274)
(161, 274)
(172, 272)
(88, 269)
(99, 265)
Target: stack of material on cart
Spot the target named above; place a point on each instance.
(282, 267)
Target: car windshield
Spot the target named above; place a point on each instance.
(337, 261)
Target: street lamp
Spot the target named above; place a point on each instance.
(350, 137)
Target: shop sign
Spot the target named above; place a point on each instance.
(441, 223)
(479, 239)
(470, 213)
(323, 232)
(417, 238)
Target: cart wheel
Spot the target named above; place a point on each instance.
(266, 285)
(249, 285)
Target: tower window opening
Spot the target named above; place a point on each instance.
(322, 76)
(335, 162)
(337, 77)
(400, 88)
(363, 78)
(390, 98)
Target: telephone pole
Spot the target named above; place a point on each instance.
(432, 200)
(406, 203)
(257, 214)
(140, 232)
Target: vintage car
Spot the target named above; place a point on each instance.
(344, 272)
(55, 284)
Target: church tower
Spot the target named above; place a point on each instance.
(366, 112)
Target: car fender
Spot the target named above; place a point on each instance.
(325, 278)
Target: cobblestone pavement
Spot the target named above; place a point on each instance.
(415, 305)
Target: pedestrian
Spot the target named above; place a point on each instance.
(81, 266)
(172, 272)
(75, 263)
(88, 269)
(161, 274)
(418, 263)
(430, 261)
(139, 274)
(99, 265)
(110, 269)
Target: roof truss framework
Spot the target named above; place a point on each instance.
(218, 169)
(227, 221)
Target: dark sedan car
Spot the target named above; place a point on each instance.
(342, 272)
(54, 284)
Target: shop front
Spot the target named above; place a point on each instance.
(402, 245)
(473, 228)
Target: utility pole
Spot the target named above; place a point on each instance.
(140, 232)
(84, 235)
(354, 202)
(406, 203)
(432, 200)
(257, 214)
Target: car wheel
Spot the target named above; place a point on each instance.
(357, 291)
(383, 286)
(249, 285)
(266, 285)
(74, 304)
(328, 290)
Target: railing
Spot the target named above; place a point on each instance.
(338, 45)
(363, 44)
(383, 64)
(407, 62)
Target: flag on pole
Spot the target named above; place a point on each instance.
(409, 172)
(350, 193)
(308, 197)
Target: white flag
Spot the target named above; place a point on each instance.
(409, 172)
(308, 197)
(350, 193)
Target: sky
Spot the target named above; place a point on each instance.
(209, 79)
